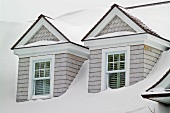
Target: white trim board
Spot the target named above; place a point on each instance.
(53, 49)
(115, 11)
(127, 68)
(36, 27)
(30, 86)
(128, 40)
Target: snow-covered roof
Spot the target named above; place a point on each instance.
(75, 25)
(160, 91)
(76, 99)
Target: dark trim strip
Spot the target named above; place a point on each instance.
(55, 28)
(26, 32)
(146, 5)
(156, 95)
(115, 5)
(166, 74)
(99, 21)
(41, 16)
(54, 44)
(115, 36)
(41, 45)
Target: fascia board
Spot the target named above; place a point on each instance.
(159, 41)
(52, 49)
(115, 42)
(38, 25)
(109, 17)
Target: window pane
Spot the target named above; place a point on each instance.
(122, 57)
(47, 72)
(36, 74)
(122, 79)
(41, 73)
(110, 66)
(37, 66)
(116, 80)
(110, 58)
(47, 86)
(39, 87)
(116, 66)
(48, 64)
(122, 66)
(42, 65)
(113, 80)
(116, 57)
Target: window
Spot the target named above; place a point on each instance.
(116, 70)
(41, 77)
(115, 67)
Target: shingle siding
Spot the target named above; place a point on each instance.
(116, 25)
(142, 60)
(66, 68)
(43, 34)
(23, 78)
(94, 83)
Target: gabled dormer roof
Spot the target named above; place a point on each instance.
(38, 26)
(122, 13)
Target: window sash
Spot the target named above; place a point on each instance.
(118, 82)
(114, 71)
(44, 86)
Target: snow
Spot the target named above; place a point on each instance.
(38, 43)
(75, 25)
(113, 34)
(76, 99)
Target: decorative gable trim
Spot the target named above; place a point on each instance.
(35, 27)
(114, 10)
(135, 23)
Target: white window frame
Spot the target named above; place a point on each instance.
(104, 75)
(34, 60)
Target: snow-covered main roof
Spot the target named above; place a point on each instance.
(75, 25)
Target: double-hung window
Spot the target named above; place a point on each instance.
(116, 69)
(41, 79)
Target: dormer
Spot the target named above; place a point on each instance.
(123, 50)
(48, 61)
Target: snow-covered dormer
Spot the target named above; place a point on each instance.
(48, 61)
(123, 50)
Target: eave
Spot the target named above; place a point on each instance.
(163, 98)
(64, 47)
(127, 40)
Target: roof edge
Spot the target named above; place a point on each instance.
(166, 74)
(113, 6)
(39, 17)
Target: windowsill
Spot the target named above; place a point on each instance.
(34, 97)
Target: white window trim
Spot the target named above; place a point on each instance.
(30, 87)
(104, 78)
